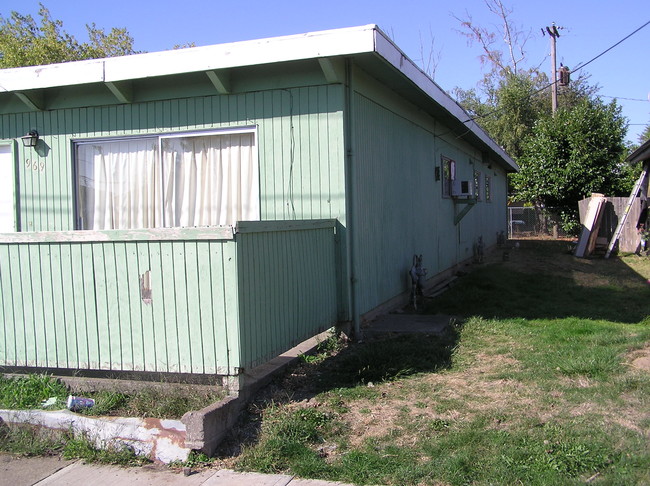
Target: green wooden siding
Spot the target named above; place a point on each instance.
(399, 208)
(79, 305)
(287, 288)
(215, 306)
(300, 145)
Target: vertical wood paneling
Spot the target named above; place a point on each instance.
(101, 307)
(207, 297)
(159, 328)
(71, 305)
(288, 293)
(144, 311)
(85, 290)
(7, 313)
(230, 275)
(71, 353)
(397, 156)
(185, 357)
(170, 318)
(84, 313)
(79, 304)
(136, 308)
(25, 289)
(46, 299)
(217, 293)
(193, 305)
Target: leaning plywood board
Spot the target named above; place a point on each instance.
(590, 226)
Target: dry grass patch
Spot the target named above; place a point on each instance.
(640, 359)
(539, 386)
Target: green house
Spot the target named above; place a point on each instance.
(200, 211)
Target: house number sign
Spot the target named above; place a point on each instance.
(35, 165)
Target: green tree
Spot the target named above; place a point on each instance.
(644, 136)
(23, 42)
(577, 151)
(563, 157)
(507, 106)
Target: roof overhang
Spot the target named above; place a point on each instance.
(640, 154)
(370, 48)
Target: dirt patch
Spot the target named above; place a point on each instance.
(640, 359)
(435, 401)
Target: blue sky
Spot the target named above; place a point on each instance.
(589, 28)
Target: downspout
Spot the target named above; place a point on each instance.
(350, 194)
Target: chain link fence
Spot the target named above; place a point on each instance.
(525, 221)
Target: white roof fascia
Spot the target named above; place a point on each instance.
(393, 54)
(338, 42)
(52, 75)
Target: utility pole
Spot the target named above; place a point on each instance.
(553, 32)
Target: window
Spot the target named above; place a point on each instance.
(205, 179)
(477, 184)
(448, 175)
(488, 188)
(7, 196)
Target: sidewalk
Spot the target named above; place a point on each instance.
(50, 471)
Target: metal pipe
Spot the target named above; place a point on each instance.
(350, 185)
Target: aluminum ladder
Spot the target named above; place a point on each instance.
(621, 222)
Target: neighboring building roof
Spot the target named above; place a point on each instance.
(640, 154)
(368, 45)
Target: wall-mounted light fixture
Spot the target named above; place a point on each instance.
(31, 139)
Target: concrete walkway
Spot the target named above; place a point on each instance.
(51, 471)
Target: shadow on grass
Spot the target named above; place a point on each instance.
(605, 290)
(350, 372)
(520, 288)
(387, 359)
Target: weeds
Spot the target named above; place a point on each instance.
(28, 440)
(81, 447)
(168, 402)
(30, 391)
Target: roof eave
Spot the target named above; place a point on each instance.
(386, 48)
(311, 45)
(116, 72)
(640, 154)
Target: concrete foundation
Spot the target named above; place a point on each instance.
(206, 428)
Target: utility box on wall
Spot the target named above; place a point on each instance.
(462, 188)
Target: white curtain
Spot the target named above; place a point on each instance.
(119, 185)
(206, 180)
(210, 180)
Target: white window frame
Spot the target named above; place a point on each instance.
(160, 137)
(8, 189)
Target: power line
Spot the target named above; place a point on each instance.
(576, 69)
(612, 47)
(622, 98)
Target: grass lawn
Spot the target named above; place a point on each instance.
(537, 384)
